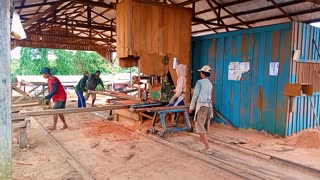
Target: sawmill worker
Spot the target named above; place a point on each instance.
(58, 95)
(93, 81)
(201, 103)
(80, 88)
(178, 97)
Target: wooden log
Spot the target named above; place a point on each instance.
(5, 95)
(26, 114)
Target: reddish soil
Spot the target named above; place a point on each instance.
(305, 139)
(103, 128)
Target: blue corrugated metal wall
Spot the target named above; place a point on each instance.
(307, 39)
(257, 101)
(306, 109)
(303, 115)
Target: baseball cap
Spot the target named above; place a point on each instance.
(205, 68)
(45, 70)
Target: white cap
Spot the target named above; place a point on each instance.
(205, 68)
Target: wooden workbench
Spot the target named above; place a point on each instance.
(139, 115)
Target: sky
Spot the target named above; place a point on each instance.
(15, 53)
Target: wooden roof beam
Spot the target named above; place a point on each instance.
(280, 8)
(100, 14)
(226, 10)
(187, 2)
(80, 25)
(22, 4)
(217, 14)
(97, 4)
(40, 15)
(210, 28)
(257, 10)
(201, 21)
(268, 18)
(71, 36)
(224, 5)
(35, 5)
(314, 1)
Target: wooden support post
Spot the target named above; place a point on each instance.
(5, 96)
(22, 137)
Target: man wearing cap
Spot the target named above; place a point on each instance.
(93, 81)
(202, 105)
(80, 88)
(58, 95)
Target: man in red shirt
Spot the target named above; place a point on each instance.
(58, 95)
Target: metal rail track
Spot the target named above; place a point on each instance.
(263, 155)
(66, 154)
(240, 169)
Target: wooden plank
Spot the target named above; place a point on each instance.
(116, 94)
(44, 90)
(22, 137)
(22, 115)
(126, 102)
(26, 104)
(155, 14)
(35, 87)
(18, 90)
(42, 14)
(154, 109)
(5, 123)
(27, 101)
(137, 27)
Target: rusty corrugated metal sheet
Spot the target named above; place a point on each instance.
(302, 115)
(257, 101)
(308, 72)
(306, 110)
(307, 39)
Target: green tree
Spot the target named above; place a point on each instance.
(64, 63)
(32, 60)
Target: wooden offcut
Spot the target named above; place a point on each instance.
(155, 28)
(297, 89)
(307, 72)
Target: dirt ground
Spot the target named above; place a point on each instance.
(108, 151)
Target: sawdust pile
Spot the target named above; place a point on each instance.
(305, 139)
(104, 128)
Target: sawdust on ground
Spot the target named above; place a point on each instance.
(106, 151)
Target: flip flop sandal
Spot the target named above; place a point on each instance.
(208, 152)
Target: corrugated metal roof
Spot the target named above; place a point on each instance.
(95, 19)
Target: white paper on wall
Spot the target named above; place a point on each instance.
(244, 67)
(234, 72)
(274, 68)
